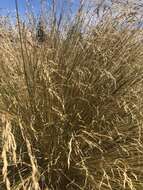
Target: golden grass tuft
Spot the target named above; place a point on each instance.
(71, 106)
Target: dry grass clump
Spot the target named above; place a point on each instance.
(71, 108)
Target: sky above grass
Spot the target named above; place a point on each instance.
(9, 6)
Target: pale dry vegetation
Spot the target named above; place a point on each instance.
(71, 107)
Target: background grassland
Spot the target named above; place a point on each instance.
(71, 106)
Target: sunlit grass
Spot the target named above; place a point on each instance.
(71, 106)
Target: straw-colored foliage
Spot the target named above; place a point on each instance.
(71, 106)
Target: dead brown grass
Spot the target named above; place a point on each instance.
(71, 108)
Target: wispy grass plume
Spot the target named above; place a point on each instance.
(71, 105)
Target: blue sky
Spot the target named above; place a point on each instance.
(9, 6)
